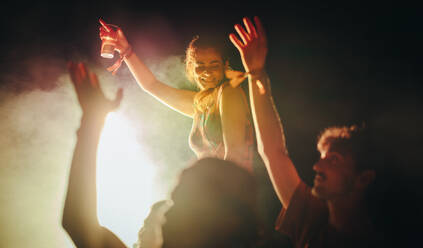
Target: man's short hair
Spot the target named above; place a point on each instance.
(349, 140)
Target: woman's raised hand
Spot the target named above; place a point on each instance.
(114, 35)
(253, 47)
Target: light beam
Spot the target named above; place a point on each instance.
(125, 179)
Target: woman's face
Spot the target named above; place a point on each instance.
(208, 68)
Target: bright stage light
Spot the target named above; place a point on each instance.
(125, 179)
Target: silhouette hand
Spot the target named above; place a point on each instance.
(89, 93)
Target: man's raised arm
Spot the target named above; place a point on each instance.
(80, 211)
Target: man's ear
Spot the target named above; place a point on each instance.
(365, 178)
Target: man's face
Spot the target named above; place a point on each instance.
(335, 175)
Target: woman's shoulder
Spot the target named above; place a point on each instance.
(227, 91)
(233, 101)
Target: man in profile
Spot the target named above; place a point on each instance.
(333, 212)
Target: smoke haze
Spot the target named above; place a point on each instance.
(342, 64)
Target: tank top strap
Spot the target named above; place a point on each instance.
(219, 95)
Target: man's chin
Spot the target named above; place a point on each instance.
(317, 192)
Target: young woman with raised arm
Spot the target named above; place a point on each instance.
(222, 125)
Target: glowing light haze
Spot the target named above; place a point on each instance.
(125, 179)
(142, 149)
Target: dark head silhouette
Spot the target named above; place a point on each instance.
(214, 206)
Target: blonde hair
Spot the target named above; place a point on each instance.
(206, 99)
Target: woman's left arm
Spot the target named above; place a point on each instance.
(234, 114)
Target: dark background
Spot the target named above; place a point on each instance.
(329, 63)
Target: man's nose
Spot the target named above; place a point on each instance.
(318, 166)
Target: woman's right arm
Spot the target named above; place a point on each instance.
(177, 99)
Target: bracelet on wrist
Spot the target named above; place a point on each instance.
(124, 55)
(261, 79)
(256, 73)
(127, 53)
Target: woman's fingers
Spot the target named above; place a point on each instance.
(253, 32)
(260, 28)
(242, 33)
(237, 43)
(119, 31)
(250, 27)
(104, 34)
(105, 26)
(103, 31)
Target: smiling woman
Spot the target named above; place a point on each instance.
(222, 125)
(80, 214)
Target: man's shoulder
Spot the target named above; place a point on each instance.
(304, 217)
